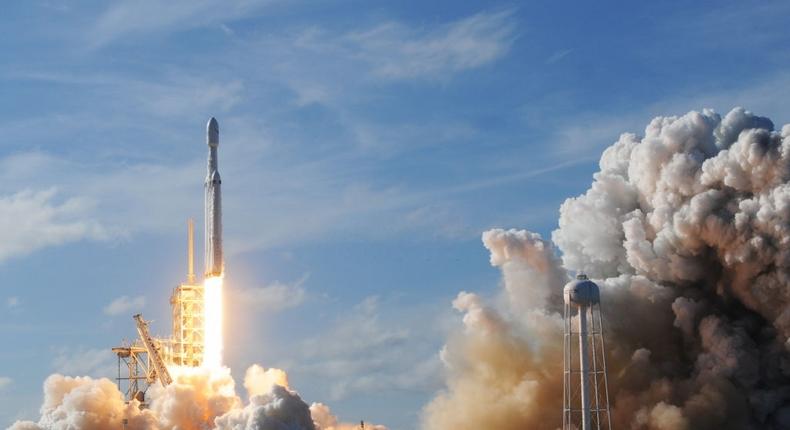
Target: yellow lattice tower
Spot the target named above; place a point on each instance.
(187, 304)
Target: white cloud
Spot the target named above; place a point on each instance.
(176, 94)
(97, 363)
(397, 51)
(390, 50)
(359, 354)
(116, 200)
(124, 304)
(5, 382)
(37, 219)
(330, 188)
(13, 302)
(557, 56)
(275, 297)
(186, 96)
(142, 17)
(320, 198)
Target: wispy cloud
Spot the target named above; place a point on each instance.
(124, 304)
(272, 298)
(5, 382)
(98, 200)
(396, 51)
(746, 25)
(187, 95)
(144, 17)
(557, 56)
(177, 93)
(333, 185)
(329, 186)
(13, 302)
(393, 51)
(37, 219)
(84, 362)
(585, 134)
(361, 354)
(319, 199)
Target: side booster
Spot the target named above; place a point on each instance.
(213, 204)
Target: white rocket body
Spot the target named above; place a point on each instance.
(213, 205)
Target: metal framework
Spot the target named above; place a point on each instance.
(147, 358)
(585, 384)
(153, 348)
(134, 358)
(187, 305)
(187, 343)
(136, 365)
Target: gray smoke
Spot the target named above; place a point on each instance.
(686, 230)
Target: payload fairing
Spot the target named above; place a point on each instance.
(213, 205)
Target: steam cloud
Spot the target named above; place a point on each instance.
(197, 399)
(686, 231)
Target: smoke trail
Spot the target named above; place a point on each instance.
(198, 399)
(686, 230)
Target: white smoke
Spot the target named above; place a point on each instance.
(197, 399)
(686, 230)
(324, 420)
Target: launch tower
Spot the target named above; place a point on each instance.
(585, 386)
(187, 306)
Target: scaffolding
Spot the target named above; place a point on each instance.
(141, 363)
(187, 343)
(187, 306)
(134, 358)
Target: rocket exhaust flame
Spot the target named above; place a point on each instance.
(212, 329)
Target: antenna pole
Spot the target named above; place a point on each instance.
(191, 251)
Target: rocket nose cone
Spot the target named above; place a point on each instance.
(212, 132)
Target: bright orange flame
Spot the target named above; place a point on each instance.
(212, 322)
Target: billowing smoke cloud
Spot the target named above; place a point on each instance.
(198, 399)
(503, 368)
(687, 231)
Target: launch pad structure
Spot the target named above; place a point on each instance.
(134, 359)
(187, 304)
(145, 360)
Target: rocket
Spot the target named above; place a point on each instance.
(213, 204)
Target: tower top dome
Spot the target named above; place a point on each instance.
(581, 292)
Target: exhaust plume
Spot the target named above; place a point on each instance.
(198, 399)
(686, 230)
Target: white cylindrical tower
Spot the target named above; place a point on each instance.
(586, 399)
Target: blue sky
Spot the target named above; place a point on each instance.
(364, 148)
